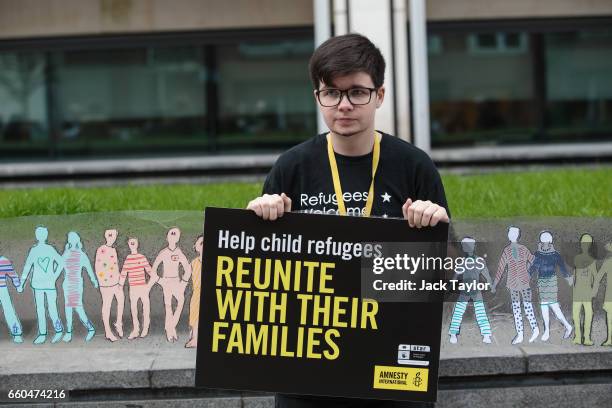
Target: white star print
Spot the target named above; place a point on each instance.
(386, 197)
(385, 215)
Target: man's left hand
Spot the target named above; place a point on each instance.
(423, 213)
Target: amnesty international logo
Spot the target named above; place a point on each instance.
(417, 380)
(400, 378)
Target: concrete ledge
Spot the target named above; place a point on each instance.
(555, 358)
(472, 361)
(576, 395)
(132, 165)
(220, 402)
(76, 368)
(523, 152)
(242, 162)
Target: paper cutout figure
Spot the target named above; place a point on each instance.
(75, 259)
(516, 258)
(45, 264)
(135, 267)
(107, 271)
(7, 271)
(606, 269)
(194, 304)
(172, 284)
(544, 267)
(584, 282)
(471, 275)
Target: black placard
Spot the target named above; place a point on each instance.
(403, 351)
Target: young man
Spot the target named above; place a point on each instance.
(352, 170)
(348, 74)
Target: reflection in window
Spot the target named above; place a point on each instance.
(579, 85)
(265, 97)
(143, 100)
(481, 89)
(497, 43)
(499, 87)
(23, 107)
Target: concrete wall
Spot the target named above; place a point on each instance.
(32, 18)
(492, 9)
(26, 18)
(150, 227)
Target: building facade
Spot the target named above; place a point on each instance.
(152, 78)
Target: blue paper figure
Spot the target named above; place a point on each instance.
(471, 275)
(12, 321)
(547, 261)
(75, 259)
(45, 264)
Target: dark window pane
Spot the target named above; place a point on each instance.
(487, 40)
(23, 106)
(265, 96)
(579, 85)
(480, 96)
(131, 101)
(512, 40)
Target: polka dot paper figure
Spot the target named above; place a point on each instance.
(515, 259)
(107, 268)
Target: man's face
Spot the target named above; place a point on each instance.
(347, 119)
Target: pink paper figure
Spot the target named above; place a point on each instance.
(173, 285)
(75, 260)
(135, 268)
(194, 305)
(107, 271)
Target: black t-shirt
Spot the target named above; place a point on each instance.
(404, 171)
(303, 173)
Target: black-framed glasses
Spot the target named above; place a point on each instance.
(331, 97)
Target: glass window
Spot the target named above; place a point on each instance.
(518, 87)
(579, 85)
(481, 88)
(131, 101)
(265, 96)
(24, 131)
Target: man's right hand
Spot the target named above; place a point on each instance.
(270, 206)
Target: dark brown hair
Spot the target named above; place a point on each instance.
(345, 55)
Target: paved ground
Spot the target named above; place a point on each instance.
(153, 363)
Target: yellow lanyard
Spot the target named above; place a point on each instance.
(336, 176)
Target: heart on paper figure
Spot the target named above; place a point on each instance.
(44, 263)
